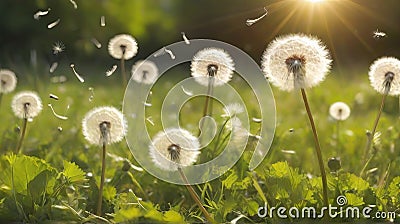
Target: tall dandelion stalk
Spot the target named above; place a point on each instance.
(25, 105)
(297, 62)
(339, 111)
(211, 67)
(174, 149)
(123, 47)
(103, 126)
(384, 77)
(8, 82)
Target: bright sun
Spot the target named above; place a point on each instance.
(314, 1)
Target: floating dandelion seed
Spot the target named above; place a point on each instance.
(145, 71)
(256, 120)
(26, 104)
(296, 62)
(232, 110)
(189, 93)
(185, 38)
(102, 21)
(250, 22)
(76, 74)
(53, 67)
(378, 34)
(171, 54)
(53, 24)
(212, 62)
(55, 114)
(122, 46)
(74, 4)
(39, 13)
(339, 111)
(58, 79)
(8, 81)
(150, 120)
(91, 97)
(174, 148)
(94, 118)
(384, 75)
(53, 96)
(96, 43)
(111, 71)
(58, 47)
(160, 52)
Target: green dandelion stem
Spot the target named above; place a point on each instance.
(195, 197)
(317, 148)
(371, 136)
(207, 110)
(21, 138)
(103, 171)
(124, 80)
(339, 146)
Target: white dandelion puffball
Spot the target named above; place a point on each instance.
(232, 110)
(104, 125)
(8, 81)
(339, 111)
(26, 104)
(212, 62)
(122, 45)
(384, 75)
(296, 61)
(145, 71)
(173, 148)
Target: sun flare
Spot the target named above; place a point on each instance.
(315, 1)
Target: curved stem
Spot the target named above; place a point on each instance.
(21, 138)
(371, 136)
(317, 148)
(195, 197)
(207, 110)
(124, 80)
(103, 171)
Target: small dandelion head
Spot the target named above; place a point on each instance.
(58, 47)
(212, 62)
(233, 109)
(174, 148)
(384, 75)
(296, 61)
(145, 71)
(104, 125)
(8, 81)
(339, 111)
(26, 104)
(122, 46)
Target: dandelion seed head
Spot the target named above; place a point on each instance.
(232, 110)
(212, 62)
(26, 104)
(174, 148)
(384, 75)
(104, 125)
(296, 61)
(122, 45)
(145, 71)
(339, 111)
(8, 81)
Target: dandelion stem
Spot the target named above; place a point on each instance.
(124, 81)
(21, 138)
(103, 170)
(339, 146)
(207, 111)
(195, 197)
(371, 136)
(317, 148)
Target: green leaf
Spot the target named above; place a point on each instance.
(394, 190)
(124, 215)
(109, 192)
(154, 215)
(173, 216)
(252, 207)
(40, 185)
(73, 173)
(230, 180)
(354, 200)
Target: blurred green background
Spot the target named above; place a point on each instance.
(346, 26)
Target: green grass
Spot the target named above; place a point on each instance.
(239, 191)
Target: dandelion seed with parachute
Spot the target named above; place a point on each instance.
(250, 22)
(123, 47)
(53, 96)
(103, 126)
(55, 114)
(25, 105)
(79, 77)
(58, 47)
(96, 43)
(145, 71)
(53, 24)
(53, 67)
(40, 13)
(297, 62)
(185, 38)
(102, 21)
(111, 71)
